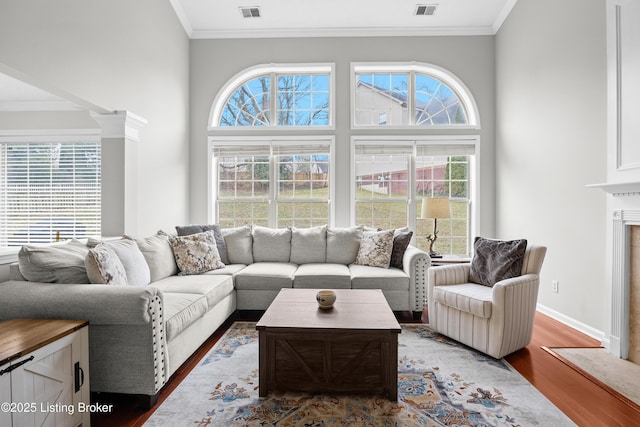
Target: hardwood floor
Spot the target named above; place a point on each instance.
(582, 400)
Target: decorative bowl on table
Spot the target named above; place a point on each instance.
(325, 299)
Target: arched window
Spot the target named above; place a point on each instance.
(276, 96)
(408, 95)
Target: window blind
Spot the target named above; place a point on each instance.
(49, 192)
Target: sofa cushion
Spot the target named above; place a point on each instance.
(496, 260)
(271, 244)
(308, 244)
(366, 277)
(185, 230)
(239, 244)
(343, 244)
(135, 265)
(104, 267)
(468, 297)
(181, 310)
(375, 249)
(159, 256)
(266, 275)
(213, 288)
(196, 253)
(322, 275)
(228, 270)
(58, 263)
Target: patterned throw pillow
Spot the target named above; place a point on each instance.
(375, 248)
(401, 240)
(496, 260)
(196, 253)
(104, 267)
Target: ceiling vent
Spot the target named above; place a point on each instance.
(250, 12)
(425, 9)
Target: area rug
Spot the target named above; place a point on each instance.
(440, 383)
(617, 375)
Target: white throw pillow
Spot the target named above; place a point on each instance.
(136, 267)
(159, 256)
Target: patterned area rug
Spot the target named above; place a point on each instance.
(440, 383)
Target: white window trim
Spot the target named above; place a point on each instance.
(258, 70)
(271, 141)
(474, 185)
(412, 67)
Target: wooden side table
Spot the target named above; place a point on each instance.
(44, 372)
(450, 259)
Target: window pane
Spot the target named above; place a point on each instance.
(49, 192)
(243, 177)
(303, 176)
(382, 190)
(303, 100)
(436, 104)
(248, 105)
(296, 193)
(381, 99)
(236, 213)
(445, 176)
(302, 214)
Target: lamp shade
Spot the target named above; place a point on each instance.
(435, 207)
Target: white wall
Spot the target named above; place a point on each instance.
(213, 62)
(551, 142)
(120, 55)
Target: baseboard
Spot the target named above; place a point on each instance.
(573, 323)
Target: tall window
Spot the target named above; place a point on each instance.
(272, 183)
(414, 94)
(49, 191)
(392, 176)
(276, 96)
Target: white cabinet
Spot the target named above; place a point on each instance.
(44, 373)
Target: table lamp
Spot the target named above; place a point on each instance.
(435, 207)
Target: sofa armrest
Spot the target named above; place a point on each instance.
(127, 347)
(415, 264)
(99, 304)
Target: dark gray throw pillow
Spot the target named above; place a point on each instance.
(401, 240)
(187, 230)
(496, 260)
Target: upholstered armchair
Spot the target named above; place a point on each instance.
(496, 320)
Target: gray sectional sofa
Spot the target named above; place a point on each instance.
(140, 335)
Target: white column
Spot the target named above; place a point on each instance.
(120, 134)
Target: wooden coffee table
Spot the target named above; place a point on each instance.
(351, 348)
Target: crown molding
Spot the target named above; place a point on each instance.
(502, 16)
(342, 32)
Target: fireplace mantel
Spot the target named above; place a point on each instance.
(618, 189)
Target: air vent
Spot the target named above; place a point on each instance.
(250, 12)
(425, 9)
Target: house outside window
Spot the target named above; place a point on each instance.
(409, 95)
(393, 175)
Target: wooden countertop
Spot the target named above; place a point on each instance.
(19, 337)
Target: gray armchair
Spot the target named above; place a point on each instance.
(495, 320)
